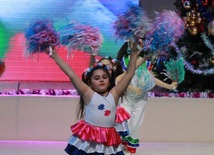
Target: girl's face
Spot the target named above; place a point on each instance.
(100, 81)
(107, 63)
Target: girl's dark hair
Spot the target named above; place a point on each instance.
(107, 58)
(119, 68)
(123, 52)
(113, 73)
(86, 78)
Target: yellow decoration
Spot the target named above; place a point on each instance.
(198, 20)
(193, 30)
(193, 17)
(192, 23)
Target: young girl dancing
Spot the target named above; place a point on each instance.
(135, 98)
(96, 134)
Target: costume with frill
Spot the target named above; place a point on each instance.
(135, 104)
(96, 134)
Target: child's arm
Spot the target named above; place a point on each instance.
(119, 89)
(136, 90)
(140, 60)
(81, 87)
(162, 84)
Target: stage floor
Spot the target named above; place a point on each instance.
(57, 148)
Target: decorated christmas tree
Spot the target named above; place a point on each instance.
(196, 47)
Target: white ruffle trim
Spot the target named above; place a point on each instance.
(91, 147)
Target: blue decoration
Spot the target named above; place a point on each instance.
(101, 107)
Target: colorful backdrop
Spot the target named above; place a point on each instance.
(15, 15)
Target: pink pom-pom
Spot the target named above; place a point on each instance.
(168, 27)
(76, 36)
(40, 35)
(132, 24)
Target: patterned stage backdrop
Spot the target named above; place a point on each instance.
(15, 15)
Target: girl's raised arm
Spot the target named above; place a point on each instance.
(119, 89)
(81, 87)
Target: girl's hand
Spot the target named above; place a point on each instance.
(133, 47)
(174, 85)
(51, 51)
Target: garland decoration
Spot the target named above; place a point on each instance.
(207, 42)
(191, 67)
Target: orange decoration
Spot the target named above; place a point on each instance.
(193, 30)
(198, 20)
(193, 16)
(192, 23)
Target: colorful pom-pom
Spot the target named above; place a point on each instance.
(132, 24)
(40, 35)
(175, 70)
(168, 27)
(76, 36)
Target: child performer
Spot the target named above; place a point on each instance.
(114, 68)
(135, 98)
(96, 134)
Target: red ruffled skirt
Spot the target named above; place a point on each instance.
(106, 136)
(121, 121)
(88, 139)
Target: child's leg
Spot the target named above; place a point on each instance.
(137, 118)
(137, 109)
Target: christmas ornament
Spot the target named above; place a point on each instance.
(184, 50)
(186, 4)
(193, 31)
(193, 16)
(188, 14)
(198, 14)
(198, 20)
(211, 28)
(192, 21)
(212, 60)
(205, 2)
(193, 62)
